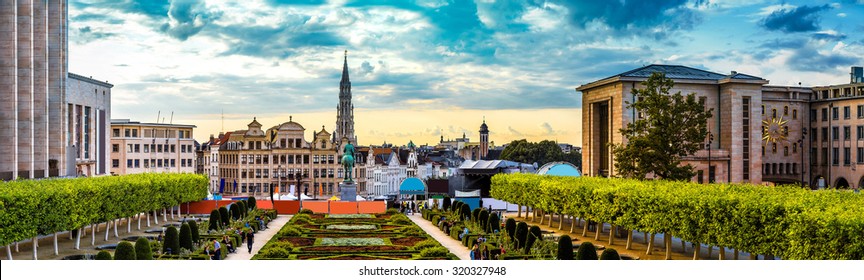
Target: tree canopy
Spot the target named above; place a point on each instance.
(542, 152)
(672, 126)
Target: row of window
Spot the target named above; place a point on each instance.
(780, 169)
(785, 149)
(835, 133)
(837, 93)
(835, 113)
(281, 159)
(785, 112)
(136, 163)
(153, 148)
(835, 156)
(153, 133)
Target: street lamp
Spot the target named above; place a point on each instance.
(710, 140)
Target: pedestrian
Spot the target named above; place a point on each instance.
(250, 238)
(473, 253)
(217, 250)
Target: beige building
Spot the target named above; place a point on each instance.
(151, 147)
(760, 131)
(279, 157)
(88, 115)
(33, 66)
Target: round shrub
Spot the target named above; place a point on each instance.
(412, 231)
(400, 220)
(224, 216)
(193, 226)
(533, 234)
(510, 227)
(565, 248)
(483, 219)
(235, 211)
(306, 211)
(301, 219)
(435, 252)
(391, 211)
(214, 221)
(142, 249)
(447, 203)
(456, 206)
(251, 201)
(428, 243)
(103, 256)
(185, 236)
(274, 253)
(290, 231)
(587, 251)
(171, 242)
(610, 254)
(493, 224)
(124, 251)
(466, 212)
(521, 234)
(475, 215)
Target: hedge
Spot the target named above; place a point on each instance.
(30, 208)
(125, 251)
(785, 221)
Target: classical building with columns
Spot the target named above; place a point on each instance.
(33, 67)
(760, 131)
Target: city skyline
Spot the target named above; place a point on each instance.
(434, 65)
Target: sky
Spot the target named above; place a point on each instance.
(430, 68)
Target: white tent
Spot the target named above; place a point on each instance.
(360, 198)
(305, 197)
(287, 197)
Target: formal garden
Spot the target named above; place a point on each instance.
(385, 236)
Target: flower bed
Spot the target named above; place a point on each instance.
(351, 227)
(351, 216)
(349, 241)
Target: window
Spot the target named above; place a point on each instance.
(847, 133)
(172, 148)
(825, 135)
(773, 148)
(785, 130)
(860, 130)
(115, 148)
(835, 113)
(824, 114)
(137, 148)
(763, 110)
(134, 133)
(116, 132)
(146, 162)
(137, 163)
(767, 169)
(129, 148)
(127, 132)
(786, 150)
(847, 156)
(861, 111)
(860, 155)
(173, 163)
(182, 148)
(813, 134)
(847, 113)
(794, 114)
(835, 156)
(795, 149)
(128, 163)
(159, 162)
(774, 113)
(835, 133)
(115, 163)
(825, 156)
(785, 110)
(699, 175)
(813, 115)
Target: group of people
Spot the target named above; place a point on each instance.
(479, 254)
(411, 207)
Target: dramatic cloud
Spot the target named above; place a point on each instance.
(799, 19)
(808, 58)
(187, 17)
(639, 17)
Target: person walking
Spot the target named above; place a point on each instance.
(250, 238)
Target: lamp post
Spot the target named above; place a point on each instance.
(710, 140)
(801, 145)
(830, 141)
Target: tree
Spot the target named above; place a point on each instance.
(673, 126)
(224, 216)
(104, 256)
(186, 236)
(510, 227)
(587, 251)
(193, 226)
(142, 249)
(610, 254)
(565, 248)
(533, 235)
(521, 234)
(214, 220)
(172, 241)
(124, 251)
(543, 152)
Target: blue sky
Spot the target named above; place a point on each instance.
(424, 68)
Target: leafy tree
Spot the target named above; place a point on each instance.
(610, 254)
(193, 226)
(466, 212)
(483, 219)
(172, 241)
(565, 248)
(674, 126)
(142, 249)
(103, 256)
(186, 236)
(215, 220)
(235, 211)
(124, 251)
(587, 251)
(543, 152)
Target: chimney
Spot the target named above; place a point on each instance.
(857, 75)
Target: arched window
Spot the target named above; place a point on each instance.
(785, 110)
(774, 113)
(773, 148)
(786, 150)
(794, 114)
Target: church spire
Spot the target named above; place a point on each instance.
(345, 78)
(344, 110)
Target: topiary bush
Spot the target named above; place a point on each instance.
(493, 224)
(103, 256)
(290, 231)
(533, 234)
(391, 211)
(235, 211)
(301, 219)
(565, 248)
(244, 209)
(171, 244)
(193, 226)
(214, 221)
(521, 234)
(186, 236)
(435, 252)
(456, 206)
(610, 254)
(447, 203)
(428, 243)
(510, 227)
(142, 249)
(274, 253)
(475, 215)
(251, 201)
(224, 216)
(465, 212)
(483, 219)
(306, 211)
(400, 220)
(124, 251)
(587, 251)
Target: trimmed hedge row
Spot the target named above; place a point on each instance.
(41, 207)
(785, 221)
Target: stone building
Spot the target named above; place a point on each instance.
(88, 115)
(33, 67)
(138, 147)
(759, 131)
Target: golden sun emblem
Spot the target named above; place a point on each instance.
(772, 130)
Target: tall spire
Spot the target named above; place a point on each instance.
(344, 110)
(345, 69)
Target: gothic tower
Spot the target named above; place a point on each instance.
(344, 111)
(484, 139)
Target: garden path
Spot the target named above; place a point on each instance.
(451, 244)
(261, 238)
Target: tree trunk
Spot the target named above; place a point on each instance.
(611, 234)
(172, 213)
(710, 251)
(650, 245)
(572, 224)
(683, 245)
(560, 221)
(155, 217)
(78, 239)
(519, 211)
(114, 222)
(56, 249)
(754, 257)
(9, 252)
(696, 251)
(629, 239)
(585, 228)
(139, 221)
(542, 216)
(722, 253)
(645, 237)
(668, 238)
(129, 225)
(165, 214)
(148, 219)
(107, 229)
(93, 235)
(599, 231)
(16, 247)
(735, 251)
(35, 248)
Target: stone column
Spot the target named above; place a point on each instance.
(57, 127)
(25, 88)
(8, 89)
(40, 88)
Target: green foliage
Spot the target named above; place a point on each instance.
(493, 224)
(447, 203)
(428, 243)
(521, 235)
(510, 227)
(142, 249)
(543, 152)
(274, 253)
(674, 126)
(483, 218)
(587, 251)
(193, 226)
(456, 206)
(391, 211)
(789, 222)
(565, 248)
(400, 219)
(103, 256)
(125, 251)
(533, 235)
(475, 215)
(610, 254)
(171, 241)
(251, 202)
(186, 236)
(301, 219)
(306, 211)
(235, 211)
(42, 207)
(215, 220)
(224, 216)
(290, 230)
(465, 212)
(435, 252)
